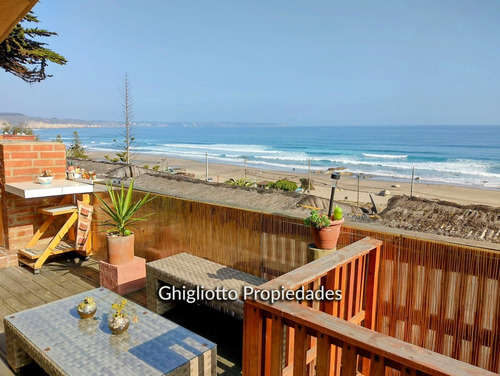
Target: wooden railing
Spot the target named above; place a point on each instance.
(325, 338)
(353, 270)
(439, 293)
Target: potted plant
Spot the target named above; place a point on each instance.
(87, 308)
(45, 178)
(121, 216)
(118, 321)
(325, 231)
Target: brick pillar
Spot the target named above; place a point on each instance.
(19, 161)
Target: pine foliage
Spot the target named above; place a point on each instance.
(24, 56)
(76, 149)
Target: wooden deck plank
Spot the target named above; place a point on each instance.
(17, 276)
(139, 297)
(73, 274)
(4, 368)
(47, 284)
(20, 289)
(4, 311)
(4, 291)
(20, 293)
(17, 304)
(65, 276)
(87, 273)
(73, 286)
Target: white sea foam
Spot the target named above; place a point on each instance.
(221, 147)
(384, 156)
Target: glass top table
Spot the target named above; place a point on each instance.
(56, 338)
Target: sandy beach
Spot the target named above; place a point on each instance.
(347, 187)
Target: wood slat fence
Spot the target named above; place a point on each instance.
(439, 295)
(290, 338)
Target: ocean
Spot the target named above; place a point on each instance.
(461, 155)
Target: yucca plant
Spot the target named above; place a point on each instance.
(122, 211)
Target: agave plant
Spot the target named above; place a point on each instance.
(240, 182)
(122, 211)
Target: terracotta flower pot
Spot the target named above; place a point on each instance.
(120, 249)
(327, 237)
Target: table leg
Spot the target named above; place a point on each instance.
(16, 356)
(152, 287)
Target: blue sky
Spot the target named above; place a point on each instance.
(295, 62)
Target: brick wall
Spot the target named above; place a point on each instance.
(23, 159)
(8, 258)
(20, 160)
(17, 137)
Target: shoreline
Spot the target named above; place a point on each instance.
(347, 186)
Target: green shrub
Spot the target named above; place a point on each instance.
(283, 185)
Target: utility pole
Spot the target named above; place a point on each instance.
(206, 157)
(359, 176)
(309, 176)
(412, 179)
(163, 164)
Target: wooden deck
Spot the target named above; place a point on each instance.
(20, 289)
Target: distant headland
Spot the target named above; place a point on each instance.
(46, 123)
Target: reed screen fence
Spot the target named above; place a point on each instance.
(439, 295)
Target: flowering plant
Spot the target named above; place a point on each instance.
(119, 311)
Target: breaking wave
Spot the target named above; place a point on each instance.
(384, 156)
